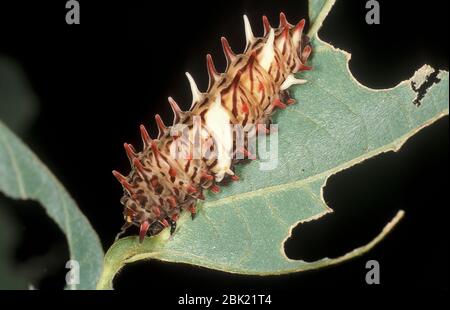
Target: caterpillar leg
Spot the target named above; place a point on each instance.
(215, 189)
(173, 225)
(193, 211)
(286, 97)
(123, 230)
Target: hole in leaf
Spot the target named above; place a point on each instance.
(423, 88)
(366, 196)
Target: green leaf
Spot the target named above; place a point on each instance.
(335, 124)
(24, 176)
(18, 109)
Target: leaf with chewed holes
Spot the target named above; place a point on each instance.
(335, 124)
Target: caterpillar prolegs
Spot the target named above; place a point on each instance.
(198, 151)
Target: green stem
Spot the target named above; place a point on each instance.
(111, 266)
(121, 252)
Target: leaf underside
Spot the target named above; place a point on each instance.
(335, 124)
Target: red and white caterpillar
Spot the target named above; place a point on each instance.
(160, 185)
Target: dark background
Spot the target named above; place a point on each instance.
(97, 81)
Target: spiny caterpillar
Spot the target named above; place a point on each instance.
(160, 184)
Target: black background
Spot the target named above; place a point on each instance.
(99, 80)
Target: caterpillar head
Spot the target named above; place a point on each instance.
(135, 214)
(150, 221)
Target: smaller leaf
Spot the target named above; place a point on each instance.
(24, 176)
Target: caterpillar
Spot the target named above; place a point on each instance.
(161, 183)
